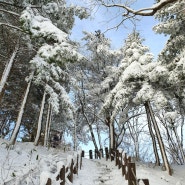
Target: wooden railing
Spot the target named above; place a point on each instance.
(65, 169)
(123, 162)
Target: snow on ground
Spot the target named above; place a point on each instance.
(23, 164)
(102, 172)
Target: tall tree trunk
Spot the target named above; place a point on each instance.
(47, 128)
(36, 142)
(182, 131)
(21, 111)
(173, 147)
(7, 70)
(93, 136)
(159, 138)
(91, 131)
(75, 136)
(111, 136)
(99, 137)
(89, 123)
(179, 144)
(157, 162)
(112, 141)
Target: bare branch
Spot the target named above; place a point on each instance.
(11, 26)
(119, 24)
(10, 12)
(11, 4)
(2, 56)
(143, 12)
(18, 6)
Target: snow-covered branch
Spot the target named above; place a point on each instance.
(144, 11)
(11, 26)
(10, 12)
(17, 5)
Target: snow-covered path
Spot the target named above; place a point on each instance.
(25, 162)
(99, 172)
(102, 172)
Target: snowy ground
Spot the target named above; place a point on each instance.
(102, 172)
(24, 163)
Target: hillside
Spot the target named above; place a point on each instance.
(24, 163)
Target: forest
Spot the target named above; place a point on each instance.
(50, 83)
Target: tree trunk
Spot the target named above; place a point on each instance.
(21, 111)
(111, 136)
(36, 142)
(6, 71)
(173, 147)
(112, 144)
(182, 132)
(91, 131)
(99, 136)
(157, 162)
(93, 137)
(159, 138)
(48, 120)
(75, 137)
(179, 144)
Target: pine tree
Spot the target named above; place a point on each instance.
(54, 49)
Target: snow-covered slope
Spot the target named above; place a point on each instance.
(104, 172)
(24, 163)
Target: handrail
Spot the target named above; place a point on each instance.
(123, 162)
(66, 170)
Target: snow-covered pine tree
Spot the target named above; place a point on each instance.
(131, 74)
(55, 49)
(172, 18)
(133, 85)
(89, 94)
(168, 75)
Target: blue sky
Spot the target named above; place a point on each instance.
(104, 19)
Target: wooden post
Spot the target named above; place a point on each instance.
(75, 171)
(101, 152)
(48, 181)
(112, 154)
(146, 181)
(83, 153)
(90, 154)
(71, 172)
(123, 170)
(120, 161)
(106, 153)
(117, 158)
(81, 161)
(132, 174)
(124, 166)
(62, 175)
(96, 153)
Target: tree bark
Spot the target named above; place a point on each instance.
(179, 144)
(21, 111)
(157, 162)
(99, 136)
(36, 142)
(75, 136)
(7, 70)
(112, 144)
(93, 137)
(48, 120)
(159, 138)
(182, 132)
